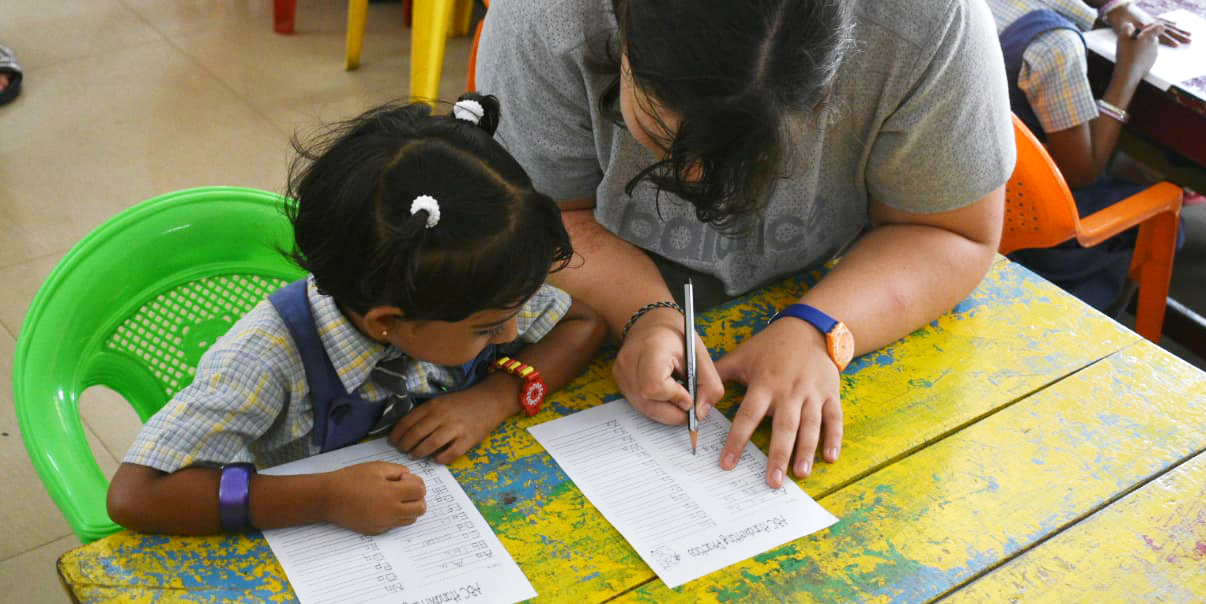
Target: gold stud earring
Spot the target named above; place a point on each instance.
(384, 334)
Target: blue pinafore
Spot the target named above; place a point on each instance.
(341, 419)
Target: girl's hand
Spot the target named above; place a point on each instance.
(374, 497)
(1137, 49)
(788, 376)
(449, 425)
(1138, 19)
(650, 358)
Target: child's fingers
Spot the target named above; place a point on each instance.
(405, 424)
(417, 433)
(434, 441)
(454, 450)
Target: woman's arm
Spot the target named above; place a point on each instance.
(619, 279)
(910, 268)
(369, 498)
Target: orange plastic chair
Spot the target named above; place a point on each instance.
(471, 79)
(1040, 213)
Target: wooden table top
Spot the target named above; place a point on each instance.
(1022, 447)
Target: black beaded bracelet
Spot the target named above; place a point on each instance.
(644, 309)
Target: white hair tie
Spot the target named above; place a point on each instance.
(468, 110)
(427, 202)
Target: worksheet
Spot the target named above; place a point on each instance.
(1173, 65)
(684, 515)
(449, 555)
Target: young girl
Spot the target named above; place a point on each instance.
(1046, 65)
(428, 250)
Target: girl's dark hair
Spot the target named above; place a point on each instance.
(496, 241)
(737, 74)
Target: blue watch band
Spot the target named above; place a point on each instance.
(823, 322)
(234, 497)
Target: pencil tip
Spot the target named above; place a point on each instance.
(694, 441)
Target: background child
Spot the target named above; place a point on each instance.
(1047, 68)
(428, 250)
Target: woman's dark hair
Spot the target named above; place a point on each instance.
(737, 74)
(496, 241)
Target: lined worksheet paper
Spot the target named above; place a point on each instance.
(683, 515)
(449, 555)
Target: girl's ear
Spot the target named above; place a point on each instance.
(380, 321)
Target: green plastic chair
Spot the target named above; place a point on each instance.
(132, 307)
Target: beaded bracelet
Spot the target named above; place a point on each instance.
(644, 309)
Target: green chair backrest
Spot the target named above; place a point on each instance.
(132, 307)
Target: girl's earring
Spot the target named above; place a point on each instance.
(384, 334)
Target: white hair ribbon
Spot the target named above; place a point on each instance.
(468, 110)
(427, 202)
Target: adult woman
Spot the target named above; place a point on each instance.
(775, 133)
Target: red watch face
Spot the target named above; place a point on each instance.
(531, 395)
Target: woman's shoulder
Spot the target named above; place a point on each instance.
(561, 25)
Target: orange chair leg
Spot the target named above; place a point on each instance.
(471, 79)
(283, 12)
(1151, 267)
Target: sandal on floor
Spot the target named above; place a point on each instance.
(8, 65)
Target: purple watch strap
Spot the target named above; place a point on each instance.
(234, 490)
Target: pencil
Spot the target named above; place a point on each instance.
(689, 349)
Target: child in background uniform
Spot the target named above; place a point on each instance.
(428, 250)
(1047, 69)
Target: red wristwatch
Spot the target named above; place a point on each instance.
(531, 395)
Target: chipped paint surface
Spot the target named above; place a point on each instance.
(920, 527)
(1013, 336)
(1148, 547)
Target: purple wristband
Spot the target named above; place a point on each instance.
(234, 510)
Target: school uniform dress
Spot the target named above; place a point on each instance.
(250, 400)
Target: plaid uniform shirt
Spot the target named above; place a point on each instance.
(1054, 75)
(249, 401)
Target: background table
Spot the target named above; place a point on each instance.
(1020, 448)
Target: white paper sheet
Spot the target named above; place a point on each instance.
(683, 515)
(449, 555)
(1173, 65)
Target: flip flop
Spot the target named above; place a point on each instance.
(9, 66)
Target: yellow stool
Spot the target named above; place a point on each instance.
(431, 23)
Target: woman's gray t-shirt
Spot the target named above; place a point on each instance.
(918, 119)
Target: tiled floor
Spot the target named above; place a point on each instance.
(125, 99)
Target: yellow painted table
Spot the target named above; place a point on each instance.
(1020, 448)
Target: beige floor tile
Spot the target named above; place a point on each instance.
(99, 134)
(111, 419)
(291, 66)
(186, 18)
(32, 577)
(31, 519)
(304, 113)
(21, 283)
(45, 32)
(15, 242)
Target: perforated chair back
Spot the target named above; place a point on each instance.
(1039, 209)
(132, 307)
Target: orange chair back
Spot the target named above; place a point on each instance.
(1039, 209)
